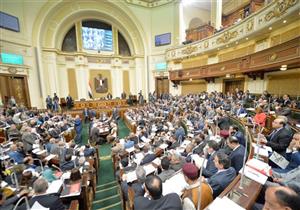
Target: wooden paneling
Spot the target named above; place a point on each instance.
(193, 87)
(161, 85)
(99, 104)
(287, 53)
(72, 83)
(199, 33)
(193, 62)
(236, 53)
(284, 84)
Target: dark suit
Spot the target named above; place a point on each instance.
(210, 168)
(279, 140)
(148, 158)
(237, 157)
(219, 181)
(67, 166)
(48, 201)
(240, 136)
(169, 202)
(137, 188)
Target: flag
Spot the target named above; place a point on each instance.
(90, 90)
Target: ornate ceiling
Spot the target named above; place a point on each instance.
(149, 3)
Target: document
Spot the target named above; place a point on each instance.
(224, 203)
(279, 160)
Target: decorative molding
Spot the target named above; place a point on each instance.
(247, 28)
(270, 59)
(149, 3)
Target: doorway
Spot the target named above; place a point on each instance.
(231, 85)
(14, 85)
(161, 85)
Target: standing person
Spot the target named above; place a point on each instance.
(78, 129)
(55, 102)
(69, 100)
(49, 103)
(141, 98)
(12, 102)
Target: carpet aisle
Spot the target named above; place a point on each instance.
(107, 193)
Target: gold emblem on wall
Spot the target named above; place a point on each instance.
(273, 57)
(280, 9)
(250, 25)
(101, 84)
(189, 50)
(227, 36)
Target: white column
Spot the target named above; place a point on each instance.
(182, 26)
(82, 82)
(51, 80)
(132, 79)
(140, 76)
(63, 85)
(117, 81)
(216, 13)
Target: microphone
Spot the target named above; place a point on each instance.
(26, 203)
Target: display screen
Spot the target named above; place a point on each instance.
(11, 58)
(97, 39)
(9, 22)
(163, 39)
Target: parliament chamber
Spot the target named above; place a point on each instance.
(150, 104)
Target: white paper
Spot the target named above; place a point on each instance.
(54, 187)
(49, 157)
(224, 203)
(138, 158)
(199, 160)
(261, 150)
(157, 161)
(163, 146)
(66, 175)
(38, 206)
(131, 176)
(261, 166)
(129, 150)
(175, 184)
(4, 157)
(279, 160)
(149, 168)
(243, 115)
(255, 175)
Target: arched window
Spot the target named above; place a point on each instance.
(123, 46)
(69, 43)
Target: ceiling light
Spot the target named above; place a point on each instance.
(284, 21)
(283, 69)
(270, 28)
(247, 38)
(283, 66)
(227, 75)
(236, 42)
(191, 79)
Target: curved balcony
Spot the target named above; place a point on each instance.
(246, 29)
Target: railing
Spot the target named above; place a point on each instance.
(256, 22)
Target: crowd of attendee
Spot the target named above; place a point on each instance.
(190, 127)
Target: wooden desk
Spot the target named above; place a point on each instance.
(96, 104)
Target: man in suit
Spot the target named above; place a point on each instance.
(224, 176)
(50, 201)
(69, 164)
(86, 115)
(239, 110)
(8, 204)
(16, 155)
(210, 168)
(28, 139)
(155, 199)
(237, 154)
(234, 131)
(279, 139)
(148, 157)
(69, 101)
(166, 171)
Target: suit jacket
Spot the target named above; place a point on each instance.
(240, 136)
(219, 181)
(51, 201)
(164, 175)
(210, 168)
(279, 141)
(137, 188)
(28, 140)
(67, 166)
(237, 157)
(148, 158)
(168, 202)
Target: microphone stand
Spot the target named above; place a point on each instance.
(242, 181)
(14, 179)
(200, 184)
(26, 203)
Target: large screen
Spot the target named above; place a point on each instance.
(163, 39)
(11, 58)
(97, 39)
(9, 22)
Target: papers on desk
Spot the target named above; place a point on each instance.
(4, 157)
(3, 184)
(250, 109)
(149, 168)
(131, 176)
(279, 160)
(49, 157)
(262, 150)
(138, 158)
(199, 161)
(163, 146)
(242, 115)
(54, 187)
(144, 139)
(38, 151)
(175, 184)
(66, 175)
(224, 203)
(185, 143)
(71, 190)
(157, 161)
(257, 171)
(131, 149)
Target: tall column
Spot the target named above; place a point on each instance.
(216, 13)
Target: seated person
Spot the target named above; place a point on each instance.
(224, 176)
(286, 179)
(292, 155)
(260, 117)
(234, 131)
(210, 169)
(167, 172)
(137, 185)
(69, 164)
(191, 192)
(188, 152)
(176, 162)
(281, 198)
(155, 199)
(50, 201)
(125, 167)
(15, 154)
(279, 139)
(237, 154)
(148, 156)
(8, 204)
